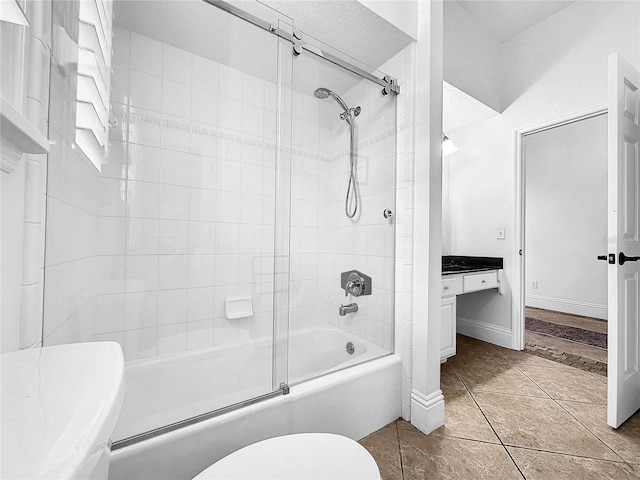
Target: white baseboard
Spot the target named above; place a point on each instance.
(427, 412)
(574, 307)
(485, 331)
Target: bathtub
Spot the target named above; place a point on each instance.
(349, 401)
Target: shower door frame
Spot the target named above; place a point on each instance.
(389, 86)
(323, 54)
(388, 83)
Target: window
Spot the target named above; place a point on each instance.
(94, 73)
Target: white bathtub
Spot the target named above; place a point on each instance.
(350, 401)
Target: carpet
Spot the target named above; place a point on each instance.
(586, 337)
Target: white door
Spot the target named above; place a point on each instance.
(624, 240)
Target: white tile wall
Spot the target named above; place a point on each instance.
(194, 165)
(200, 198)
(323, 241)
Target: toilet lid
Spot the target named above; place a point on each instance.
(300, 456)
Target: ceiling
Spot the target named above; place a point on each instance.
(504, 19)
(346, 25)
(460, 110)
(207, 31)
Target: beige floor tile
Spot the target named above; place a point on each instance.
(448, 376)
(497, 377)
(599, 378)
(539, 423)
(440, 457)
(463, 418)
(625, 440)
(537, 465)
(472, 351)
(568, 383)
(383, 445)
(404, 425)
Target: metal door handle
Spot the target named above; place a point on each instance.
(611, 258)
(623, 258)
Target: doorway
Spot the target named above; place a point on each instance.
(565, 220)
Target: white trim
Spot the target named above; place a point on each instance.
(427, 412)
(518, 294)
(576, 307)
(19, 136)
(485, 331)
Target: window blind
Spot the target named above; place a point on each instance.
(94, 66)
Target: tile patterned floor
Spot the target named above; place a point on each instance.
(512, 415)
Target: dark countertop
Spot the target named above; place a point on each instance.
(452, 264)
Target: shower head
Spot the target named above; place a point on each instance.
(325, 92)
(322, 92)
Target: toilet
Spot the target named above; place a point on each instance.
(308, 456)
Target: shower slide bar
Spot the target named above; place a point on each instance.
(388, 84)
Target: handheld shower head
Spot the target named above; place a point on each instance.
(325, 92)
(322, 92)
(348, 115)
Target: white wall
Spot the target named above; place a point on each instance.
(12, 215)
(551, 70)
(566, 218)
(446, 205)
(22, 191)
(403, 14)
(471, 56)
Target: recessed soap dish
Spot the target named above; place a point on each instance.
(235, 308)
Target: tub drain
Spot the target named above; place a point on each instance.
(350, 348)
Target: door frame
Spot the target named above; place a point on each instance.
(519, 253)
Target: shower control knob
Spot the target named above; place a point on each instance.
(387, 213)
(355, 283)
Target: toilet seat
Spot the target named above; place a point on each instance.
(300, 456)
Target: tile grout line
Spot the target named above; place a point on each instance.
(487, 420)
(399, 451)
(557, 402)
(520, 367)
(520, 447)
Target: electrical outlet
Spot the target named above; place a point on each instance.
(534, 284)
(501, 233)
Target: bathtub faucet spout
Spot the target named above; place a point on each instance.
(350, 308)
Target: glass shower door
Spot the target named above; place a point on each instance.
(342, 201)
(169, 248)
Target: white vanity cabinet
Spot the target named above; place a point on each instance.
(452, 286)
(448, 328)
